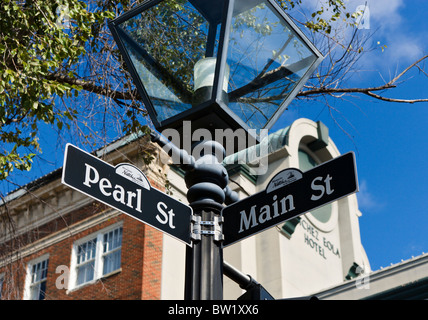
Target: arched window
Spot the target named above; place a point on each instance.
(307, 162)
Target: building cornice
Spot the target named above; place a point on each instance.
(58, 236)
(389, 279)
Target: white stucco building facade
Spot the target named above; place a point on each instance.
(299, 257)
(317, 254)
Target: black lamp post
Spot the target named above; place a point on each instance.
(222, 64)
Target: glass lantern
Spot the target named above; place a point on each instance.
(218, 63)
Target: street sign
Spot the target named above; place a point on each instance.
(125, 188)
(289, 194)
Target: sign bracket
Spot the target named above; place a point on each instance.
(214, 228)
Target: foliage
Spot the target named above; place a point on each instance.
(60, 66)
(322, 22)
(34, 47)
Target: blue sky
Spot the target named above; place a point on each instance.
(387, 138)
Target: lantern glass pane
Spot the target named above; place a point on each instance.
(164, 43)
(267, 60)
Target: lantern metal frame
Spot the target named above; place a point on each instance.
(215, 112)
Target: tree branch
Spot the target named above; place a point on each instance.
(373, 95)
(369, 91)
(257, 83)
(91, 86)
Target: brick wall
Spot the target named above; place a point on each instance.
(141, 251)
(138, 278)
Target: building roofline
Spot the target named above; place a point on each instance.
(377, 280)
(55, 174)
